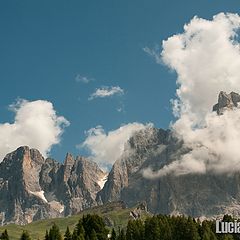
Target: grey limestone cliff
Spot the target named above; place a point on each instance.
(198, 195)
(32, 188)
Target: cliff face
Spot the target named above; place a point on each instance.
(33, 188)
(198, 195)
(149, 147)
(21, 198)
(143, 145)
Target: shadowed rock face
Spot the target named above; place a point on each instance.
(33, 188)
(226, 101)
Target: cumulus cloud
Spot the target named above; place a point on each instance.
(83, 79)
(107, 147)
(206, 58)
(36, 125)
(104, 92)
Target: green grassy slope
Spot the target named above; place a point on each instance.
(113, 212)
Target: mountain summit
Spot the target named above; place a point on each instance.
(33, 188)
(226, 101)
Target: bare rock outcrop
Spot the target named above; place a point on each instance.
(33, 188)
(226, 101)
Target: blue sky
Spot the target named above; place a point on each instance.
(44, 45)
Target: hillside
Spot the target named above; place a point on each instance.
(114, 214)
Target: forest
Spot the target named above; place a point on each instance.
(158, 227)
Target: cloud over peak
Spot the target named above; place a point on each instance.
(36, 124)
(105, 91)
(106, 147)
(206, 58)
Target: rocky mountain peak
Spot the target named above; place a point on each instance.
(33, 188)
(142, 145)
(24, 162)
(226, 101)
(69, 159)
(68, 164)
(146, 138)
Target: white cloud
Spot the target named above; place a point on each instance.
(107, 147)
(155, 53)
(83, 79)
(36, 125)
(106, 92)
(206, 57)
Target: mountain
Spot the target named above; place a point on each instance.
(197, 195)
(205, 195)
(33, 188)
(226, 101)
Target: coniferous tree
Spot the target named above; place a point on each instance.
(54, 233)
(135, 230)
(113, 235)
(79, 228)
(165, 229)
(96, 223)
(67, 235)
(25, 236)
(140, 232)
(121, 235)
(93, 235)
(228, 218)
(46, 235)
(74, 235)
(4, 235)
(191, 232)
(152, 229)
(206, 232)
(130, 230)
(81, 237)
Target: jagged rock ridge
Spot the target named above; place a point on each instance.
(225, 100)
(33, 188)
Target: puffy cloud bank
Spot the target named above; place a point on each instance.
(36, 125)
(206, 58)
(107, 147)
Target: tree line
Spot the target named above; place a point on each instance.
(159, 227)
